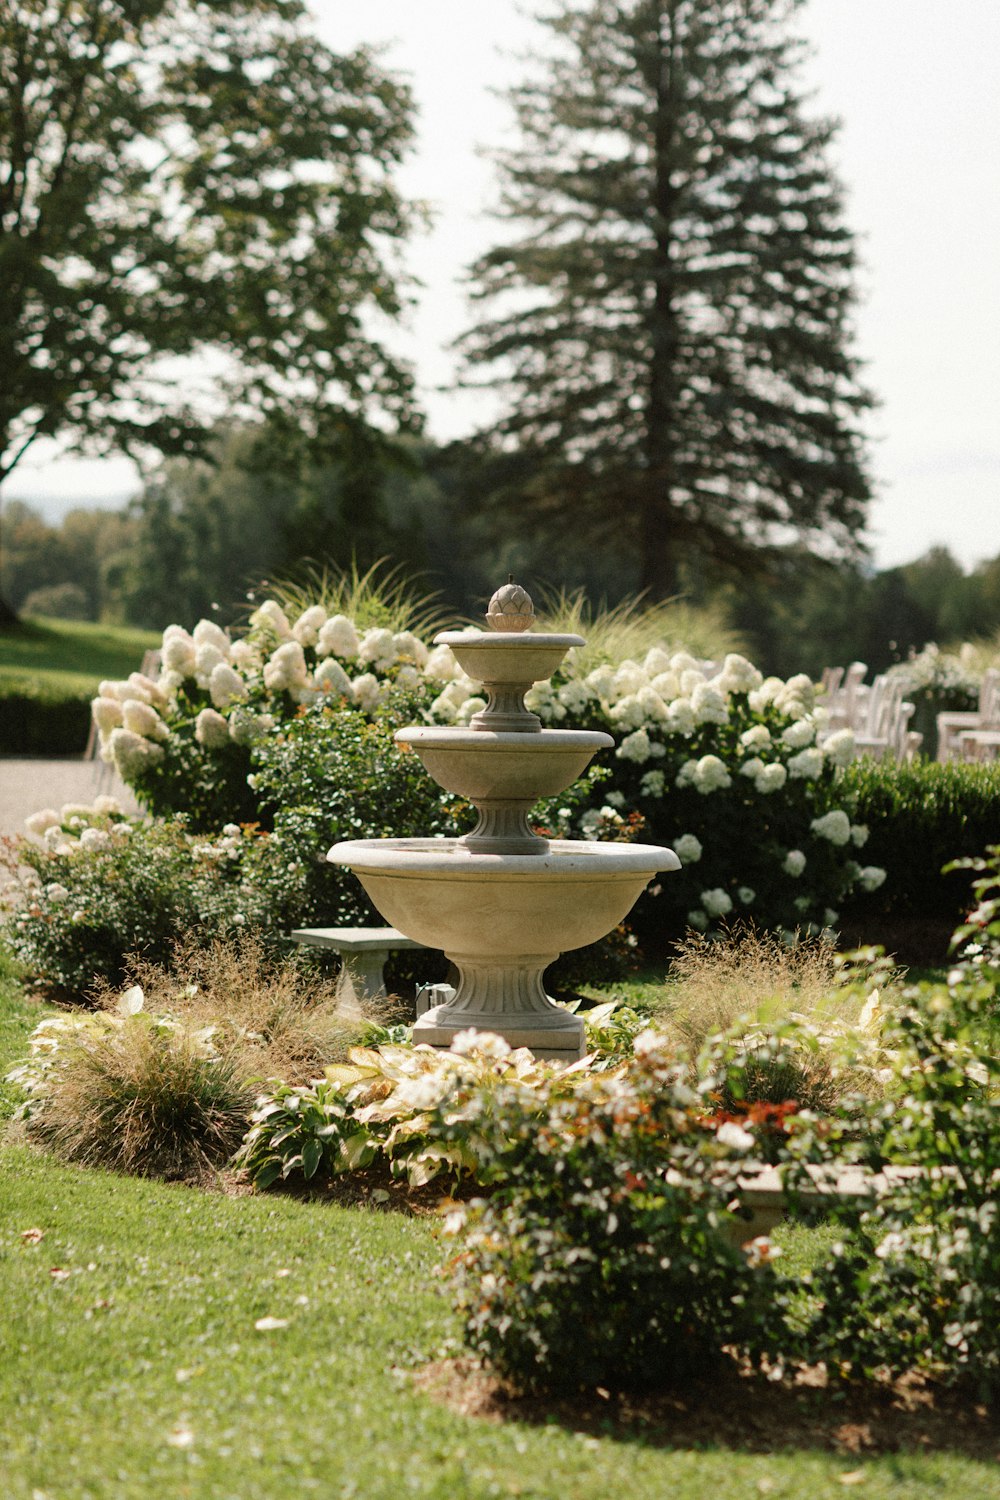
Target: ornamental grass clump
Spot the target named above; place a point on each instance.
(134, 1093)
(273, 1014)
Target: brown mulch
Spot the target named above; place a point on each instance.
(745, 1410)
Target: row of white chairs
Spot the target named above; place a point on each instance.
(876, 712)
(975, 733)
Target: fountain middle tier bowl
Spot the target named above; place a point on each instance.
(488, 766)
(503, 905)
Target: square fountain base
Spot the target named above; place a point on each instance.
(436, 1028)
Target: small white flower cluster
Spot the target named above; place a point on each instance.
(78, 825)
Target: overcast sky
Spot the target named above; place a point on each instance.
(914, 83)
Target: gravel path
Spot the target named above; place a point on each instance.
(26, 786)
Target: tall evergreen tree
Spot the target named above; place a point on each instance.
(672, 324)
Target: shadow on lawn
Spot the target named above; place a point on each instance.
(739, 1409)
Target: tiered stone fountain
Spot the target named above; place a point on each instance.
(502, 902)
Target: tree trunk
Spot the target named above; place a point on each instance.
(659, 561)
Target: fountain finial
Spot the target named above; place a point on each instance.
(511, 608)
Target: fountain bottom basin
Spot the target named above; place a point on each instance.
(502, 920)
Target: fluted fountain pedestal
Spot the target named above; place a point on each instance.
(503, 902)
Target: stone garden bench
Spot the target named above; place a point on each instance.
(364, 951)
(761, 1193)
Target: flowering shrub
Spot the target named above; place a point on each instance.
(94, 886)
(727, 767)
(602, 1256)
(915, 1279)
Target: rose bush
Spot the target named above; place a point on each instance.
(733, 770)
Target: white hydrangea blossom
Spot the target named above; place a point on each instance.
(309, 624)
(574, 695)
(286, 667)
(681, 718)
(270, 616)
(772, 778)
(338, 637)
(331, 678)
(107, 715)
(697, 919)
(738, 675)
(211, 729)
(140, 718)
(687, 848)
(628, 712)
(798, 735)
(602, 682)
(178, 651)
(717, 902)
(628, 678)
(131, 752)
(839, 747)
(207, 633)
(807, 765)
(710, 775)
(652, 784)
(377, 648)
(746, 895)
(757, 737)
(40, 822)
(634, 747)
(225, 685)
(367, 691)
(794, 862)
(441, 665)
(834, 826)
(206, 658)
(409, 677)
(409, 647)
(244, 655)
(709, 705)
(656, 661)
(859, 835)
(871, 877)
(667, 684)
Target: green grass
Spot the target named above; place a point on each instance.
(68, 658)
(140, 1372)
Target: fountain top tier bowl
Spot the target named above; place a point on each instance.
(502, 901)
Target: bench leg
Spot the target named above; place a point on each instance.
(365, 973)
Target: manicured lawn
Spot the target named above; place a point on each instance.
(67, 658)
(130, 1364)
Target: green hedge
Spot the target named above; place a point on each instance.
(32, 723)
(920, 815)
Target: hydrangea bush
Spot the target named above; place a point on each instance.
(736, 772)
(92, 886)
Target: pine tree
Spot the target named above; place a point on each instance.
(672, 324)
